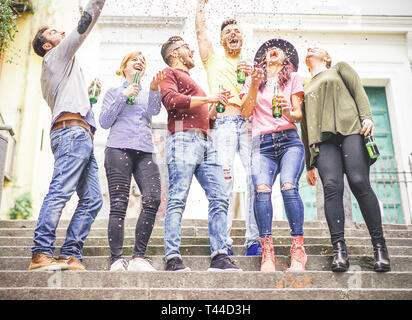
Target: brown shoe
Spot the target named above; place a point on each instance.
(45, 262)
(72, 263)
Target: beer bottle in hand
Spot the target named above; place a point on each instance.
(241, 75)
(276, 107)
(220, 108)
(132, 98)
(371, 147)
(94, 92)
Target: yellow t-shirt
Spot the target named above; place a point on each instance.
(222, 70)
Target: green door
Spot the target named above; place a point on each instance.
(384, 177)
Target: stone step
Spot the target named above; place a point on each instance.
(204, 279)
(201, 263)
(236, 223)
(30, 293)
(188, 231)
(277, 240)
(205, 250)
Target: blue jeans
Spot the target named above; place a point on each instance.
(272, 154)
(187, 154)
(75, 169)
(231, 135)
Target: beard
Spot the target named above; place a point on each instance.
(188, 62)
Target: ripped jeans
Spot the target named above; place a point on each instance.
(272, 154)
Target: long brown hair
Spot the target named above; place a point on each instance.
(283, 75)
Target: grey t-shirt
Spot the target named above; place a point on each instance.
(62, 81)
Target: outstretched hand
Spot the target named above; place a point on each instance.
(257, 76)
(154, 85)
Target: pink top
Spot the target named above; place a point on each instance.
(262, 120)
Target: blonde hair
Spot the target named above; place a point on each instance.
(126, 59)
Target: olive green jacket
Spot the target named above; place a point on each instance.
(335, 102)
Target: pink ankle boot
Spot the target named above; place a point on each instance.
(298, 256)
(268, 255)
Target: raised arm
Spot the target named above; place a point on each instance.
(205, 45)
(249, 98)
(69, 46)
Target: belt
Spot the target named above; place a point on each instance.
(70, 123)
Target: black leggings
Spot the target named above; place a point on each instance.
(120, 165)
(348, 154)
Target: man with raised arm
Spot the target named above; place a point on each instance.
(189, 152)
(72, 129)
(231, 132)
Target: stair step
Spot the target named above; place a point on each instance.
(236, 223)
(30, 293)
(201, 263)
(314, 249)
(156, 240)
(188, 231)
(204, 279)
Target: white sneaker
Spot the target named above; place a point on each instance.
(119, 265)
(140, 264)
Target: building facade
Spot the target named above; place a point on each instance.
(375, 37)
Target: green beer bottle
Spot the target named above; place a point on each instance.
(371, 147)
(94, 92)
(276, 108)
(220, 108)
(241, 75)
(132, 98)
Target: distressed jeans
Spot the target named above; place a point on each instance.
(279, 153)
(75, 169)
(231, 135)
(188, 154)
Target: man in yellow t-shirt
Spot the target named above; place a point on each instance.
(231, 132)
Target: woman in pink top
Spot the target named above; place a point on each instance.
(276, 147)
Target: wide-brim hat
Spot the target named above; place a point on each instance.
(286, 46)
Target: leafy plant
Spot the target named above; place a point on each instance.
(22, 207)
(8, 25)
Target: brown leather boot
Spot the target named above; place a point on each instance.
(298, 255)
(72, 263)
(268, 255)
(45, 262)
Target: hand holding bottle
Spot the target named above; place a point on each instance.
(222, 97)
(285, 105)
(131, 90)
(94, 90)
(245, 67)
(367, 127)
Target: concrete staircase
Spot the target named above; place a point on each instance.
(318, 282)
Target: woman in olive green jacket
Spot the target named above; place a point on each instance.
(337, 117)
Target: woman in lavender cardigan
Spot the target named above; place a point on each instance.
(130, 152)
